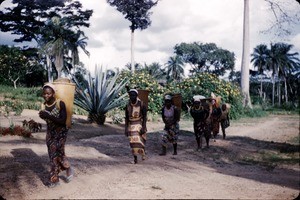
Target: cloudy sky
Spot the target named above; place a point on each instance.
(176, 21)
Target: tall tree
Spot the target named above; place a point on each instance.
(29, 19)
(246, 57)
(286, 62)
(273, 65)
(175, 68)
(138, 13)
(281, 18)
(259, 59)
(205, 57)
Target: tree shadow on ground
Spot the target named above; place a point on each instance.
(111, 142)
(24, 166)
(251, 155)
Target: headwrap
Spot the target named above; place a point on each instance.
(168, 97)
(49, 85)
(198, 97)
(133, 90)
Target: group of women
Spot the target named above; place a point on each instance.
(206, 119)
(207, 115)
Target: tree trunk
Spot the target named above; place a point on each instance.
(132, 51)
(273, 89)
(59, 63)
(246, 58)
(279, 93)
(285, 91)
(15, 83)
(261, 87)
(49, 69)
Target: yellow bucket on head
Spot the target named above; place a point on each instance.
(65, 90)
(143, 95)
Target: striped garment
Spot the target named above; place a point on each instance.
(137, 139)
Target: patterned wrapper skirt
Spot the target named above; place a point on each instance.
(56, 139)
(202, 128)
(170, 135)
(137, 141)
(215, 125)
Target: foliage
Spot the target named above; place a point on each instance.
(59, 39)
(22, 93)
(29, 19)
(141, 80)
(206, 57)
(97, 95)
(117, 115)
(17, 65)
(15, 130)
(175, 69)
(256, 111)
(155, 70)
(35, 20)
(282, 63)
(204, 84)
(16, 100)
(137, 12)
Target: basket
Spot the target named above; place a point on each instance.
(65, 91)
(143, 96)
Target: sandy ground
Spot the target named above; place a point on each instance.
(243, 166)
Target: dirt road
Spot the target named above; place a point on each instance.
(258, 160)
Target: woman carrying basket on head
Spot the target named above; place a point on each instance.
(135, 124)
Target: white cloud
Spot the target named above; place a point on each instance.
(173, 22)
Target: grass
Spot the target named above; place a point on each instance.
(16, 100)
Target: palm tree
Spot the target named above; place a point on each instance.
(73, 42)
(288, 62)
(138, 13)
(175, 68)
(273, 65)
(259, 57)
(155, 70)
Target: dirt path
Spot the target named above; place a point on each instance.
(258, 160)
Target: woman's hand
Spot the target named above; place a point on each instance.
(44, 114)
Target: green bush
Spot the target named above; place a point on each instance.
(256, 111)
(141, 80)
(204, 84)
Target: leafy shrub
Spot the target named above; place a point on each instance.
(204, 84)
(141, 80)
(256, 111)
(15, 130)
(15, 100)
(99, 94)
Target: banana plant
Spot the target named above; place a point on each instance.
(99, 94)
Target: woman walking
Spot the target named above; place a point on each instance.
(135, 124)
(55, 114)
(171, 117)
(215, 118)
(200, 113)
